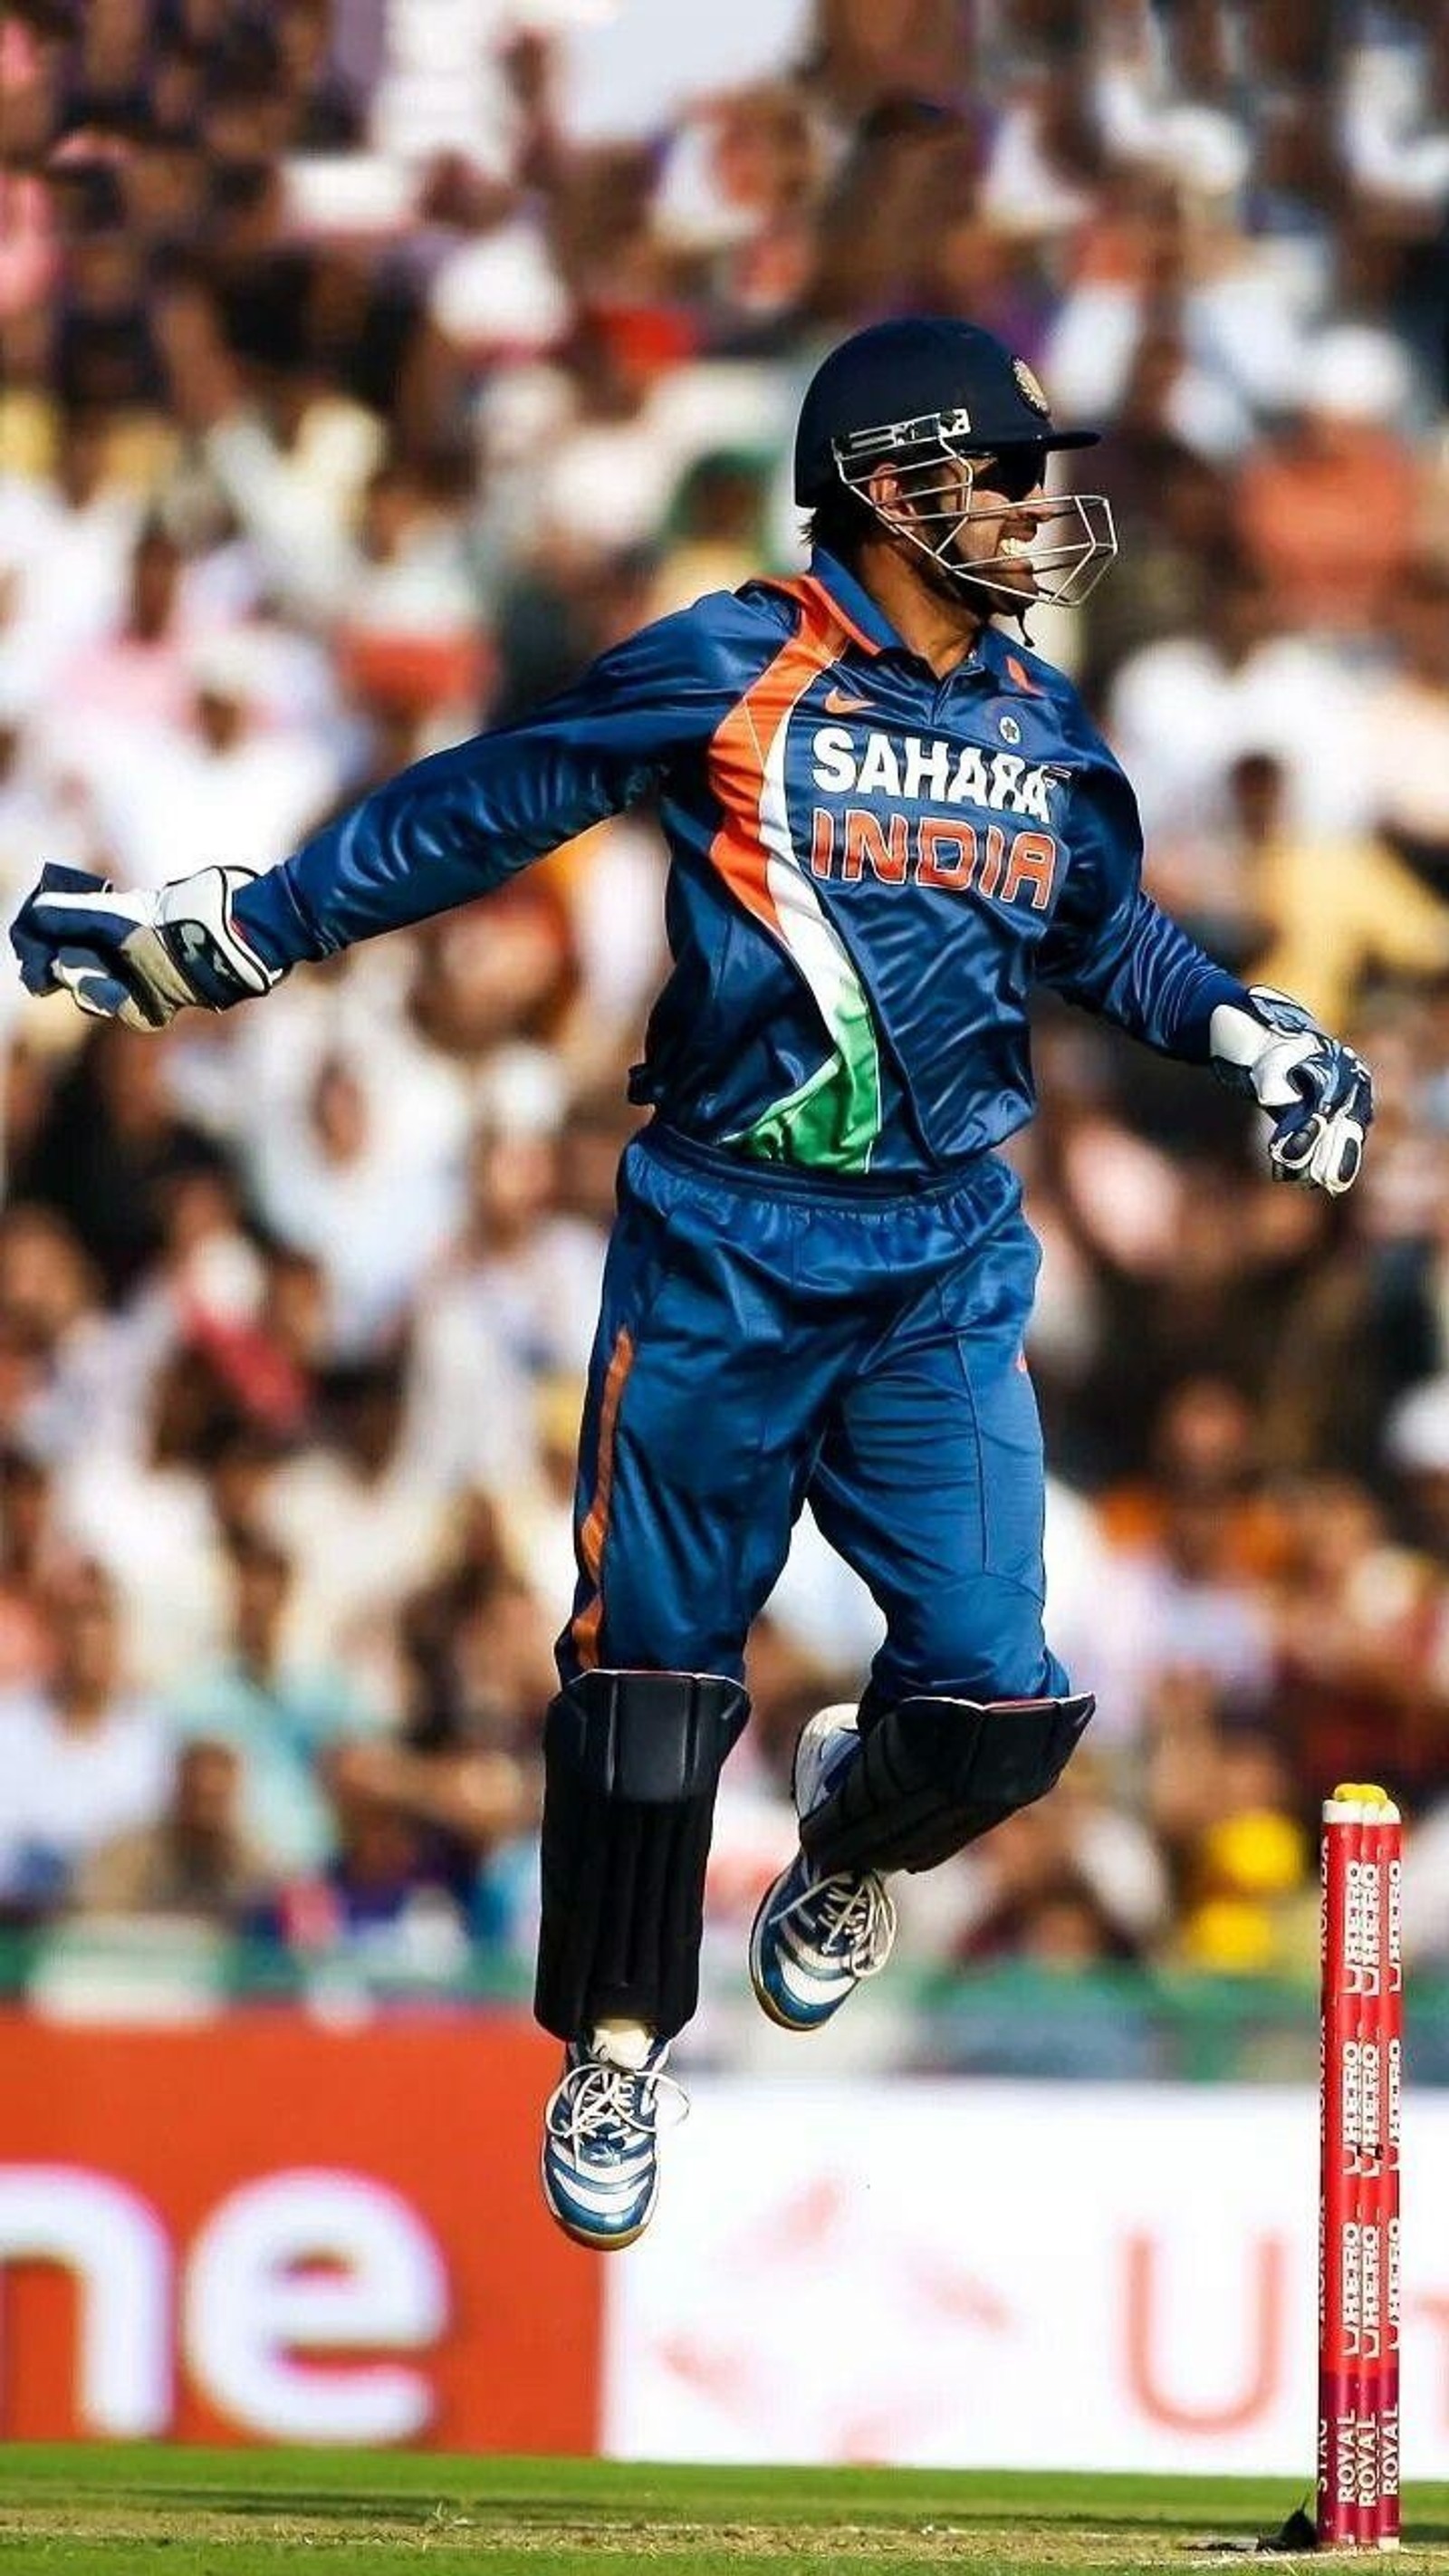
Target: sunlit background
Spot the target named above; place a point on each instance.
(364, 370)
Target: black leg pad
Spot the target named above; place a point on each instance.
(631, 1766)
(932, 1774)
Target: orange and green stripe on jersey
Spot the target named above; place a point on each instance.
(832, 1120)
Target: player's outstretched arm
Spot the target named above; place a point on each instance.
(443, 832)
(1152, 979)
(1115, 952)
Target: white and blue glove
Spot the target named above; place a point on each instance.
(1317, 1092)
(139, 958)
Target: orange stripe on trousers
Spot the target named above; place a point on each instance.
(587, 1623)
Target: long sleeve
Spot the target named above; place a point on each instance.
(457, 824)
(1112, 949)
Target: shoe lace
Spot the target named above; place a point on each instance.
(853, 1919)
(602, 2105)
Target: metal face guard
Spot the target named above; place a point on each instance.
(1074, 540)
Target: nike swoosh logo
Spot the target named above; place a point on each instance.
(838, 704)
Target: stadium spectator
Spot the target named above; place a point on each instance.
(363, 1520)
(81, 1759)
(1360, 1628)
(1408, 721)
(1334, 913)
(384, 1893)
(1330, 512)
(277, 1716)
(1222, 1801)
(193, 1862)
(27, 1547)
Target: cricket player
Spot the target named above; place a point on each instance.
(888, 820)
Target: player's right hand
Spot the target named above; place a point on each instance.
(138, 957)
(1317, 1092)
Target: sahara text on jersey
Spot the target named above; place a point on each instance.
(949, 773)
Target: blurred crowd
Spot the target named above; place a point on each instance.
(364, 369)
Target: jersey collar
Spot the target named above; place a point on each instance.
(857, 609)
(873, 631)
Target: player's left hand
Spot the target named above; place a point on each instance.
(139, 957)
(1317, 1092)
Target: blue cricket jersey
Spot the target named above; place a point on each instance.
(870, 869)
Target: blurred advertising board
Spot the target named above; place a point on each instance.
(1002, 2275)
(265, 2229)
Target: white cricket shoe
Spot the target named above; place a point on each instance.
(816, 1936)
(600, 2143)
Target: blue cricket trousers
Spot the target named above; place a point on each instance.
(766, 1337)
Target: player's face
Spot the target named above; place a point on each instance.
(990, 533)
(993, 528)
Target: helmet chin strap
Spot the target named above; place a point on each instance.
(1000, 603)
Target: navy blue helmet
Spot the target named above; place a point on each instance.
(933, 399)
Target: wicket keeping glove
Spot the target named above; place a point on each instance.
(139, 958)
(1317, 1092)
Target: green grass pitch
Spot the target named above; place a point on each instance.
(139, 2511)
